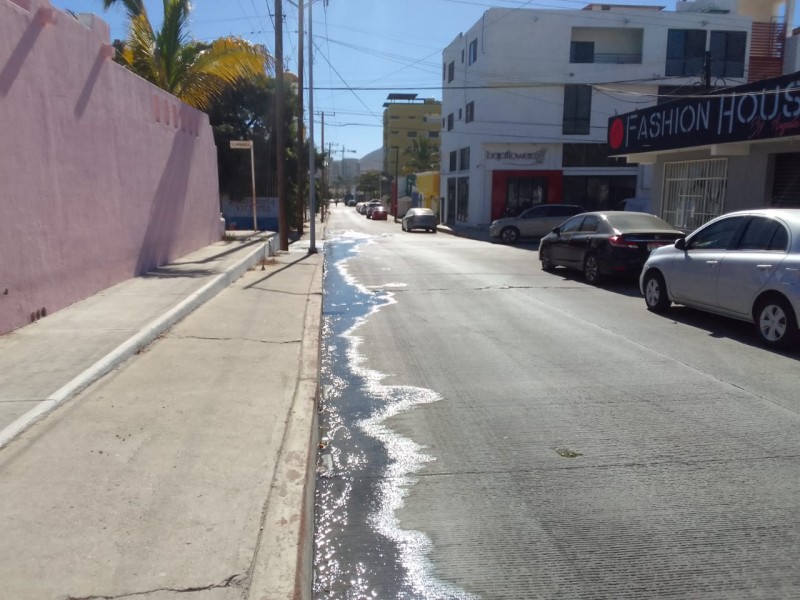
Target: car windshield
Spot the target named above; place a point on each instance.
(633, 221)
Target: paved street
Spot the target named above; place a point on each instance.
(501, 432)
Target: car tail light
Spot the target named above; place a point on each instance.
(619, 241)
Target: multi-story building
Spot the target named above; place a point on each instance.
(344, 174)
(527, 95)
(406, 118)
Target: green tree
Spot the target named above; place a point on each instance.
(421, 156)
(195, 72)
(369, 182)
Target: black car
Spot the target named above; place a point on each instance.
(605, 242)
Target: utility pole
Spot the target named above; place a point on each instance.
(312, 249)
(323, 189)
(300, 162)
(280, 137)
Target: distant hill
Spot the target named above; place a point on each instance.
(372, 161)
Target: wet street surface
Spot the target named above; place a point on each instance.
(490, 430)
(364, 467)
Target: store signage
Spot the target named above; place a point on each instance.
(762, 110)
(536, 157)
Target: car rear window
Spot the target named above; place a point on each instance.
(421, 211)
(566, 211)
(630, 221)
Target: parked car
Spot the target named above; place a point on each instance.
(379, 213)
(361, 207)
(605, 242)
(532, 223)
(419, 218)
(744, 265)
(371, 205)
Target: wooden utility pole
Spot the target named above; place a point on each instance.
(300, 162)
(280, 134)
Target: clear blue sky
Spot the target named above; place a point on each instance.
(364, 49)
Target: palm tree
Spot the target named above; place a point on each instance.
(421, 156)
(195, 72)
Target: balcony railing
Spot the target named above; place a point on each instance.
(609, 58)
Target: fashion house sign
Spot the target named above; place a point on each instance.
(766, 109)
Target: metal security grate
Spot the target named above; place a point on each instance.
(694, 192)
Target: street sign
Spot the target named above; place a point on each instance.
(241, 144)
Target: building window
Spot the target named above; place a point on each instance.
(411, 134)
(451, 71)
(462, 199)
(599, 192)
(462, 57)
(463, 156)
(453, 163)
(524, 192)
(589, 155)
(449, 121)
(785, 183)
(460, 113)
(694, 192)
(577, 109)
(686, 50)
(473, 51)
(470, 117)
(433, 134)
(581, 52)
(727, 53)
(444, 72)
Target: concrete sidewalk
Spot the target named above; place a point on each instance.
(190, 467)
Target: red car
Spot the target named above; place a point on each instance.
(379, 213)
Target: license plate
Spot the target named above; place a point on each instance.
(651, 247)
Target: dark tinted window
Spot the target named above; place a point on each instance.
(631, 221)
(763, 234)
(535, 212)
(590, 224)
(716, 236)
(566, 211)
(572, 225)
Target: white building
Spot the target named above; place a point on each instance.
(527, 95)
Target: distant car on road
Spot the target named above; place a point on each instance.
(419, 218)
(379, 213)
(603, 243)
(534, 222)
(370, 206)
(744, 265)
(361, 207)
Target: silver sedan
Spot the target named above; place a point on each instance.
(744, 265)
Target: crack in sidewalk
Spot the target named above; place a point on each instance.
(234, 581)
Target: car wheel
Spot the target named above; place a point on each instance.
(433, 230)
(509, 235)
(776, 322)
(591, 269)
(655, 292)
(547, 264)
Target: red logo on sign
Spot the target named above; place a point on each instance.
(616, 133)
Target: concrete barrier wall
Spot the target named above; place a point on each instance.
(102, 175)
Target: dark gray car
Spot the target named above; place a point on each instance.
(419, 218)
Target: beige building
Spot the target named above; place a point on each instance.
(406, 118)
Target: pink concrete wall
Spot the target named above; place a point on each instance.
(102, 175)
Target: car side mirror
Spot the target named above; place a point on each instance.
(557, 230)
(680, 243)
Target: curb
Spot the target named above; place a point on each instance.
(283, 563)
(133, 345)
